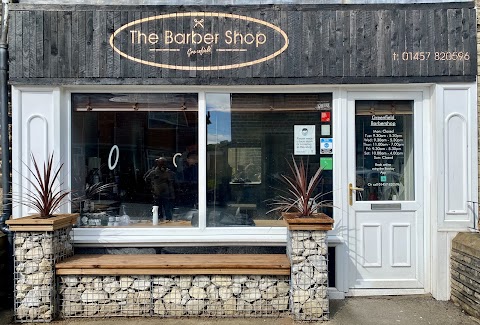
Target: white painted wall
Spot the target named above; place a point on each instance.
(454, 175)
(36, 130)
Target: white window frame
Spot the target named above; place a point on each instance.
(183, 236)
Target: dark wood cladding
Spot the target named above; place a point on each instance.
(57, 45)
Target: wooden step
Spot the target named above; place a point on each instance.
(169, 264)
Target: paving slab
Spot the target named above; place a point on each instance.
(384, 310)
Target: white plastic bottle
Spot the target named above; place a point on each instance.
(124, 218)
(155, 215)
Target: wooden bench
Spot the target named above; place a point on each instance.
(175, 264)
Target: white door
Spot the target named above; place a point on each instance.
(385, 182)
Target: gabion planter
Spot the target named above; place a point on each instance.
(35, 255)
(307, 249)
(174, 295)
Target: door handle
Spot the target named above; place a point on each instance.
(352, 188)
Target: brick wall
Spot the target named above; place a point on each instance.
(465, 272)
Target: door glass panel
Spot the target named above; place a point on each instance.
(384, 150)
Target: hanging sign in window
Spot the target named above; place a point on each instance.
(304, 140)
(326, 146)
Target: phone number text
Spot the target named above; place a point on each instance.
(437, 56)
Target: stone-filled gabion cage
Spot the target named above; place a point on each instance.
(309, 274)
(35, 255)
(174, 295)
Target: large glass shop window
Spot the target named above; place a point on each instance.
(251, 138)
(384, 150)
(134, 159)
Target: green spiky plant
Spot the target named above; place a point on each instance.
(46, 194)
(299, 197)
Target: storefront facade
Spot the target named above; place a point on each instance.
(220, 98)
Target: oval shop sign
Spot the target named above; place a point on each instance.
(199, 41)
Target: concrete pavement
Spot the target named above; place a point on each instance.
(386, 310)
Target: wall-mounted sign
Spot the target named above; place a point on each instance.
(304, 140)
(199, 41)
(285, 44)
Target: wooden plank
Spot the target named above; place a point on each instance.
(75, 49)
(384, 63)
(160, 271)
(102, 44)
(62, 65)
(377, 66)
(107, 49)
(361, 43)
(53, 54)
(284, 57)
(339, 46)
(242, 56)
(152, 71)
(82, 43)
(137, 50)
(144, 49)
(89, 50)
(178, 261)
(124, 63)
(32, 66)
(399, 66)
(68, 43)
(223, 26)
(330, 58)
(414, 64)
(369, 40)
(441, 41)
(277, 41)
(13, 57)
(26, 43)
(36, 220)
(309, 227)
(19, 40)
(470, 44)
(96, 20)
(457, 65)
(299, 29)
(292, 51)
(46, 44)
(422, 42)
(430, 41)
(353, 43)
(117, 23)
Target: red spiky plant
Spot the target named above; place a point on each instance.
(299, 195)
(46, 194)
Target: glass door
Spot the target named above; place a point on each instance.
(385, 191)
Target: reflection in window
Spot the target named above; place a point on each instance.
(384, 150)
(156, 135)
(250, 139)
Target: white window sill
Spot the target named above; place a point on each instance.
(259, 236)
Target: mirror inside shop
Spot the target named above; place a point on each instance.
(135, 157)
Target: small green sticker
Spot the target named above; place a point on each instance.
(383, 178)
(326, 163)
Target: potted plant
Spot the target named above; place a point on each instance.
(45, 195)
(299, 204)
